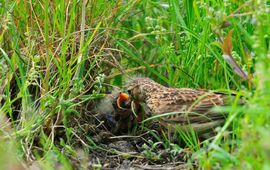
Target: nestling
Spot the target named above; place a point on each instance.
(116, 113)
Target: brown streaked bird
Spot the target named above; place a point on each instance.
(192, 107)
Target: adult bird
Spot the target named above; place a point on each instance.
(184, 107)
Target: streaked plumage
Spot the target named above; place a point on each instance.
(193, 106)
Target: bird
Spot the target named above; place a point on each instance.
(126, 115)
(186, 107)
(116, 113)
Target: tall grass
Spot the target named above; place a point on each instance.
(53, 56)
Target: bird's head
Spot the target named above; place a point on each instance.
(139, 87)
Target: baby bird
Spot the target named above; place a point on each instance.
(116, 113)
(188, 107)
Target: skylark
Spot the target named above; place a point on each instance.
(184, 107)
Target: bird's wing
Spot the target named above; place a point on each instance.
(192, 105)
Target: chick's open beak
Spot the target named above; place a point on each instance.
(122, 98)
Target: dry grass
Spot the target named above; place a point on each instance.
(58, 60)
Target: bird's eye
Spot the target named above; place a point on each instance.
(129, 92)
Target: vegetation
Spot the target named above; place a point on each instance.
(59, 58)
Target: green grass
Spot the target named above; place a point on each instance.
(57, 57)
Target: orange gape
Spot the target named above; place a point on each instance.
(122, 98)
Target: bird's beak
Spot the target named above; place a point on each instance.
(123, 97)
